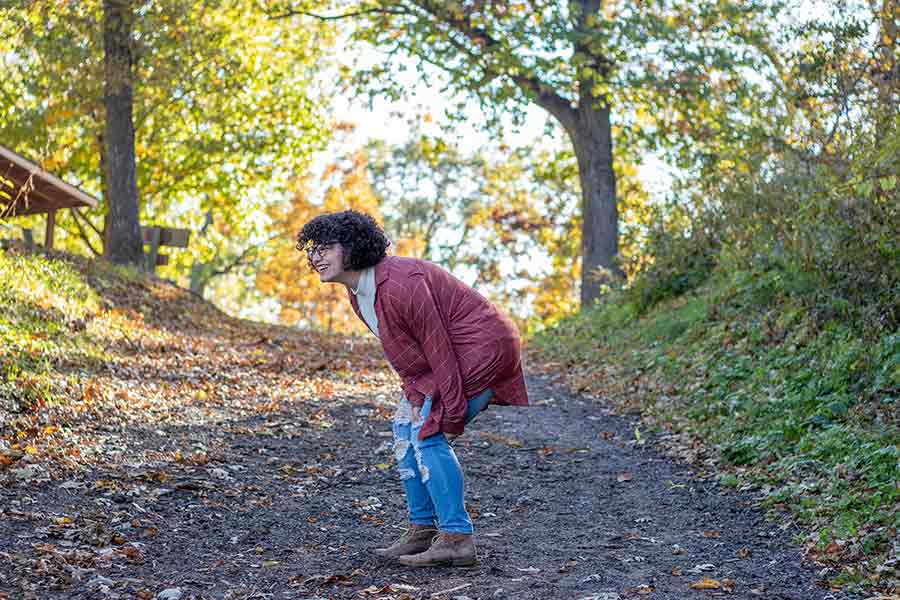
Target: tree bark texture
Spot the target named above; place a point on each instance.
(592, 140)
(123, 244)
(590, 129)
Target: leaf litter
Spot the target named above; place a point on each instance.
(215, 458)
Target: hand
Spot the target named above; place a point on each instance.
(451, 437)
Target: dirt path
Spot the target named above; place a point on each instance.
(288, 504)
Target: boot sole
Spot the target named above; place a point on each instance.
(385, 554)
(457, 562)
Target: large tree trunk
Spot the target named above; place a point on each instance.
(592, 140)
(123, 242)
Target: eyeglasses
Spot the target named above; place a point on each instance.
(319, 250)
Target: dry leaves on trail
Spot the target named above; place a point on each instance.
(172, 359)
(708, 583)
(501, 439)
(644, 589)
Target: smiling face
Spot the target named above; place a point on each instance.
(328, 260)
(362, 245)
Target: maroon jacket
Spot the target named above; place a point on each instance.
(445, 340)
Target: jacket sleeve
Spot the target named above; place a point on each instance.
(427, 327)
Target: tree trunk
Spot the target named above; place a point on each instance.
(889, 79)
(592, 140)
(123, 243)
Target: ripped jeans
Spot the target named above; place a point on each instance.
(429, 470)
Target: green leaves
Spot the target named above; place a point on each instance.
(225, 110)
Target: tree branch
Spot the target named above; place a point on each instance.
(545, 97)
(239, 260)
(349, 15)
(83, 234)
(88, 221)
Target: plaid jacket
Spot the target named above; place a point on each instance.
(445, 340)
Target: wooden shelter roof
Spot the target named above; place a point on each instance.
(26, 188)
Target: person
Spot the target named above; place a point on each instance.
(455, 353)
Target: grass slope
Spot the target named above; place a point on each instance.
(87, 347)
(773, 400)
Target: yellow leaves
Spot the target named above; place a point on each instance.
(643, 590)
(284, 274)
(708, 583)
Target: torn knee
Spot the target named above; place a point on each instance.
(403, 414)
(406, 473)
(423, 470)
(401, 447)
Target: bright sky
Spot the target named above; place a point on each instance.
(387, 121)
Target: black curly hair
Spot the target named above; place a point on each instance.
(363, 239)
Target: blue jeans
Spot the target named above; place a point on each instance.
(429, 470)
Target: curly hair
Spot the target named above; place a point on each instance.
(364, 241)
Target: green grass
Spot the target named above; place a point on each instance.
(806, 412)
(59, 318)
(45, 314)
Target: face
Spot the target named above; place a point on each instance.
(328, 260)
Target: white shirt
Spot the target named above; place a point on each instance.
(365, 298)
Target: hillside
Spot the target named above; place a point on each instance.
(796, 406)
(142, 429)
(87, 346)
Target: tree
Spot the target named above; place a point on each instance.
(283, 275)
(427, 188)
(123, 230)
(225, 110)
(583, 61)
(505, 219)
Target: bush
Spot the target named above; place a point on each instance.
(683, 250)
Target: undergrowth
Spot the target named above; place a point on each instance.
(799, 407)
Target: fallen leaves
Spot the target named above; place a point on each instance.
(643, 590)
(708, 583)
(568, 566)
(391, 588)
(501, 439)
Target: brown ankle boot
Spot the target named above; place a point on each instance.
(416, 539)
(449, 549)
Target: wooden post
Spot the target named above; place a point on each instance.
(197, 274)
(51, 228)
(154, 249)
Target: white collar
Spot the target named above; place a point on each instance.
(366, 285)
